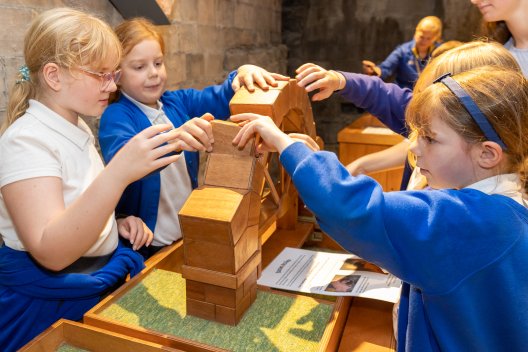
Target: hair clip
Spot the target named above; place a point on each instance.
(471, 107)
(24, 74)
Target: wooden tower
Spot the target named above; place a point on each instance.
(221, 221)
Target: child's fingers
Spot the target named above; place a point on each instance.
(279, 77)
(207, 116)
(304, 67)
(149, 233)
(133, 232)
(199, 130)
(306, 140)
(155, 130)
(308, 71)
(259, 79)
(248, 82)
(236, 84)
(245, 116)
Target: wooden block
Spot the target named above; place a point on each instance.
(223, 133)
(219, 278)
(231, 316)
(225, 258)
(215, 215)
(200, 309)
(225, 315)
(250, 283)
(234, 171)
(273, 102)
(195, 290)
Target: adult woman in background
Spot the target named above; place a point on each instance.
(505, 22)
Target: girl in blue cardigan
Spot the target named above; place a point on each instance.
(144, 102)
(461, 247)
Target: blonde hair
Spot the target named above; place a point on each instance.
(465, 57)
(432, 24)
(501, 93)
(133, 31)
(66, 37)
(444, 47)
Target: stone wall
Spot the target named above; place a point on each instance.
(338, 34)
(205, 41)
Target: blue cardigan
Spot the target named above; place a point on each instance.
(463, 252)
(32, 298)
(122, 120)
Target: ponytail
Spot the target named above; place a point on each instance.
(21, 92)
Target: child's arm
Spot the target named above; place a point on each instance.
(385, 159)
(386, 101)
(56, 235)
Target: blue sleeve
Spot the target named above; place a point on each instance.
(386, 101)
(118, 125)
(389, 66)
(213, 99)
(426, 238)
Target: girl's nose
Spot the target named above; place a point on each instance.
(413, 147)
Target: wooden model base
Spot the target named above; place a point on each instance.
(277, 331)
(69, 335)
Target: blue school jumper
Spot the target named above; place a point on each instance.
(462, 252)
(33, 298)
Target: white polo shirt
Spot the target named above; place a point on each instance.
(41, 143)
(175, 185)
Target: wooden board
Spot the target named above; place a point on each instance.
(76, 335)
(329, 340)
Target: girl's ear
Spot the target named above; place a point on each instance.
(51, 75)
(490, 154)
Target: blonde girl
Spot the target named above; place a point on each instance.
(60, 252)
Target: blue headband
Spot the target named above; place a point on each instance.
(472, 108)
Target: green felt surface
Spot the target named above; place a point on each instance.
(274, 322)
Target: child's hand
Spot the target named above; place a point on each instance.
(370, 68)
(195, 135)
(136, 231)
(247, 75)
(273, 139)
(307, 140)
(145, 152)
(312, 77)
(356, 167)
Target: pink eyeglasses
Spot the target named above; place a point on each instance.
(106, 77)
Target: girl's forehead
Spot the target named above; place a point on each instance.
(146, 47)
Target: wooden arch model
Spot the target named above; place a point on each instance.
(238, 207)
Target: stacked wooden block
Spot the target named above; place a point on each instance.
(220, 227)
(220, 220)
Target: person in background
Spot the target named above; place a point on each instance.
(448, 244)
(505, 22)
(408, 60)
(144, 101)
(61, 250)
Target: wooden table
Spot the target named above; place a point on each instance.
(354, 143)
